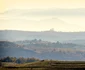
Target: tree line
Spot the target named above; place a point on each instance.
(18, 60)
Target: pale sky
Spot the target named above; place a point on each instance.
(41, 15)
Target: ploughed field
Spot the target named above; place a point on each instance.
(45, 65)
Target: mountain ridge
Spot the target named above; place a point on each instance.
(14, 35)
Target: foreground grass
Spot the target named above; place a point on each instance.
(42, 68)
(23, 69)
(45, 65)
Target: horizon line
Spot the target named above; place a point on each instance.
(40, 31)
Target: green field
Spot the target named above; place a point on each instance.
(45, 65)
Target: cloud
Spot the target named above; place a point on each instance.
(41, 19)
(46, 12)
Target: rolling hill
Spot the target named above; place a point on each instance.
(42, 50)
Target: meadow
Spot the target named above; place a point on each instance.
(45, 65)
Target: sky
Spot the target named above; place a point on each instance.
(42, 15)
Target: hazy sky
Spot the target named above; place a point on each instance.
(39, 15)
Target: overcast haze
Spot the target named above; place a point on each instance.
(41, 15)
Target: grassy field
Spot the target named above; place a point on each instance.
(45, 65)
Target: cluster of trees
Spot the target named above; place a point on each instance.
(42, 43)
(18, 60)
(35, 43)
